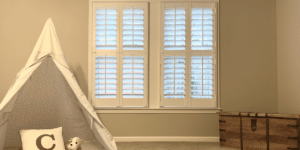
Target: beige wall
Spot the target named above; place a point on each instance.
(248, 55)
(288, 52)
(247, 60)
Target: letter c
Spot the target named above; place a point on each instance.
(39, 142)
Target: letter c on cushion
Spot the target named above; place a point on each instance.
(39, 142)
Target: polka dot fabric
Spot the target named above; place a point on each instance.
(46, 101)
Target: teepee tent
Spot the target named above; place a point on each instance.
(45, 95)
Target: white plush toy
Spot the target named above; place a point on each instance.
(75, 143)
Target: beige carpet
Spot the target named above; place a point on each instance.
(167, 146)
(170, 146)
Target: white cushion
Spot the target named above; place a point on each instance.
(36, 139)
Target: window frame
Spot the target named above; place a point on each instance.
(153, 103)
(188, 102)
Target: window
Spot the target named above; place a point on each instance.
(174, 66)
(188, 55)
(120, 54)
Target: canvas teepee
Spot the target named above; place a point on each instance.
(45, 95)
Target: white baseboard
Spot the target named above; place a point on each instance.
(166, 139)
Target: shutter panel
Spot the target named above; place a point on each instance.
(133, 77)
(133, 28)
(106, 28)
(174, 77)
(134, 49)
(201, 77)
(106, 77)
(174, 28)
(173, 81)
(202, 57)
(202, 28)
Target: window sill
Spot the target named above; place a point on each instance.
(156, 110)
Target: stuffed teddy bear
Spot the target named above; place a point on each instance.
(75, 143)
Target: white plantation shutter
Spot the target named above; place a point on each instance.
(133, 28)
(203, 82)
(190, 33)
(106, 80)
(201, 77)
(173, 81)
(134, 48)
(134, 80)
(120, 54)
(202, 28)
(174, 28)
(133, 77)
(106, 28)
(173, 59)
(174, 77)
(106, 77)
(203, 55)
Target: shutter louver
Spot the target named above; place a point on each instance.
(174, 29)
(133, 28)
(133, 77)
(106, 28)
(174, 77)
(202, 28)
(106, 77)
(202, 77)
